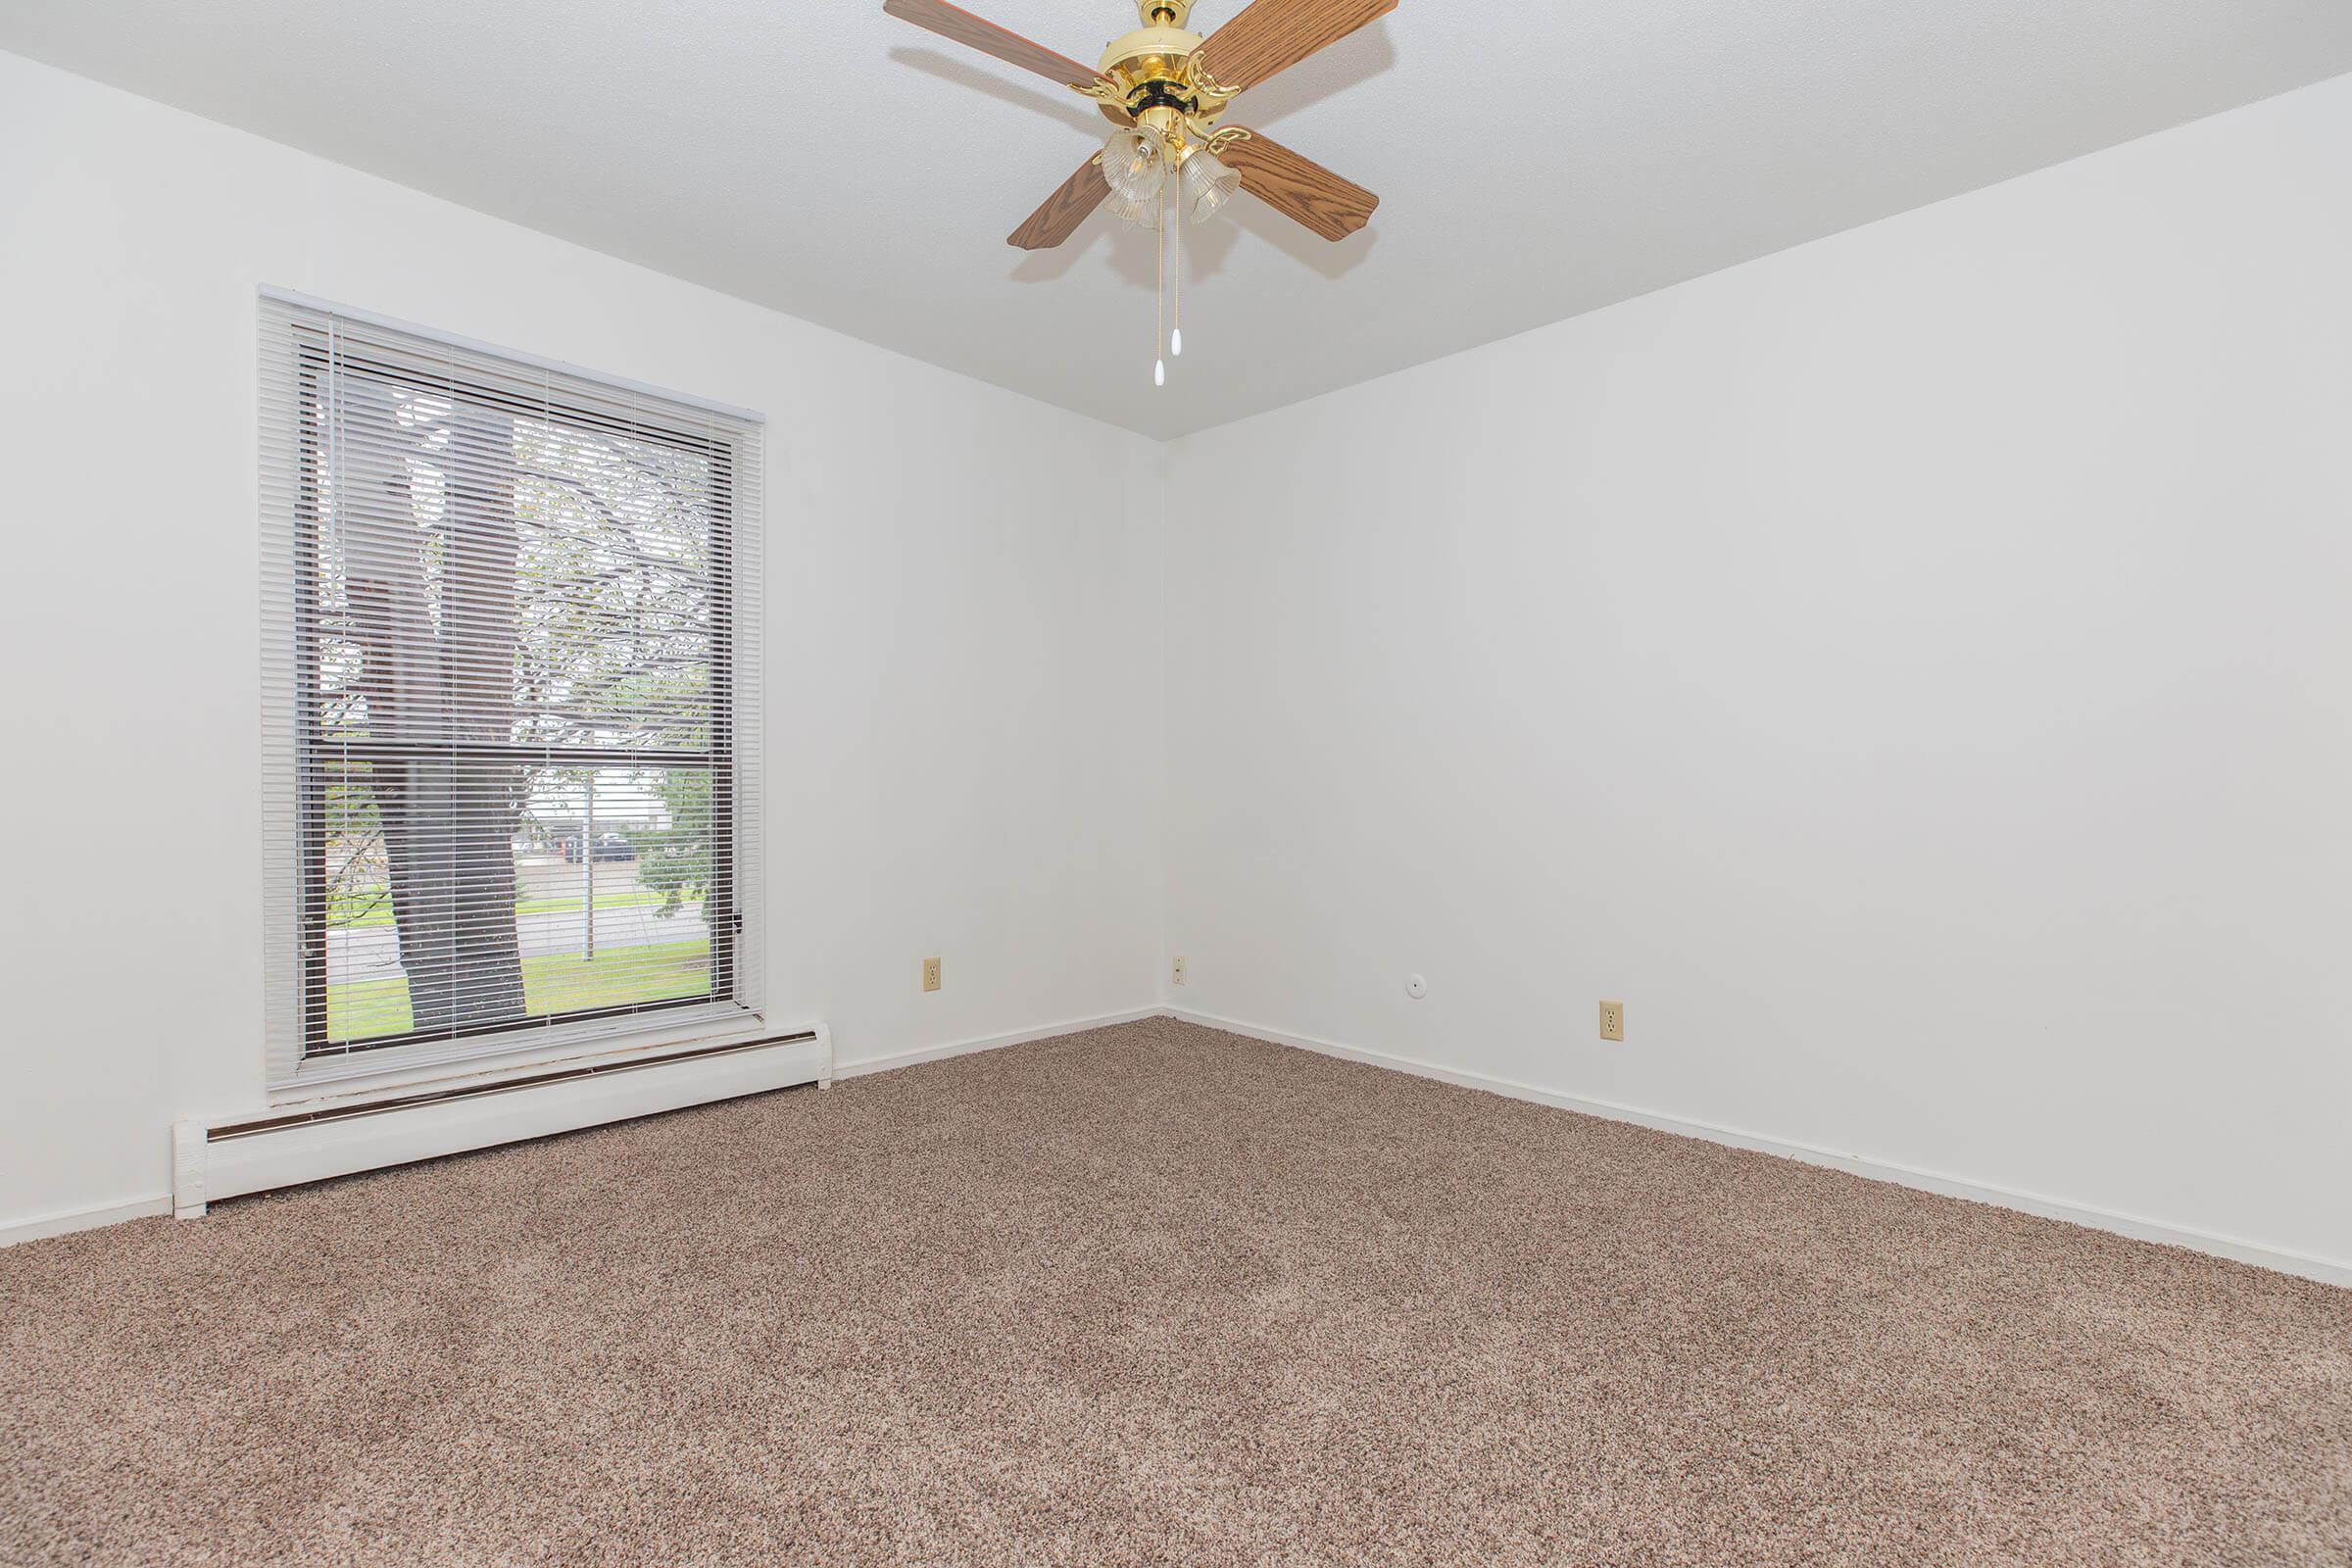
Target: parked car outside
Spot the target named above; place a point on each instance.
(609, 846)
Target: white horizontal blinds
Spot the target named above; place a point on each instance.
(512, 700)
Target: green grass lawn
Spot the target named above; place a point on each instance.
(557, 983)
(374, 907)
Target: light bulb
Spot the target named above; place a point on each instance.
(1176, 343)
(1208, 184)
(1160, 373)
(1135, 165)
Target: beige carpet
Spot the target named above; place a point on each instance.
(1155, 1294)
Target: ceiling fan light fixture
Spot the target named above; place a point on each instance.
(1137, 212)
(1208, 184)
(1135, 163)
(1157, 88)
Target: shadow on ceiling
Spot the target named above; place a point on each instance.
(1059, 104)
(1206, 246)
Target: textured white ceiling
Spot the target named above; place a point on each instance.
(1536, 160)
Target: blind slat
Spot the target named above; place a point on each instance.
(510, 689)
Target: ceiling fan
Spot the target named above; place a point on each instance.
(1165, 89)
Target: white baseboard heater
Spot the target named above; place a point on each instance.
(215, 1160)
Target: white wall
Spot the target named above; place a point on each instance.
(1913, 671)
(964, 724)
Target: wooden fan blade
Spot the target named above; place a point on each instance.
(1273, 35)
(1299, 187)
(1064, 211)
(953, 21)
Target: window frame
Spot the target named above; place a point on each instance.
(728, 438)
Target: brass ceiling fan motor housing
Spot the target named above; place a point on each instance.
(1148, 68)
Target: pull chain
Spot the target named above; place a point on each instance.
(1176, 339)
(1159, 302)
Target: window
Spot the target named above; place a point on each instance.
(510, 696)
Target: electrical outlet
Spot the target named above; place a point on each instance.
(930, 974)
(1179, 971)
(1612, 1020)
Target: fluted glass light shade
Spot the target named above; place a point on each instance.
(1208, 184)
(1136, 165)
(1143, 212)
